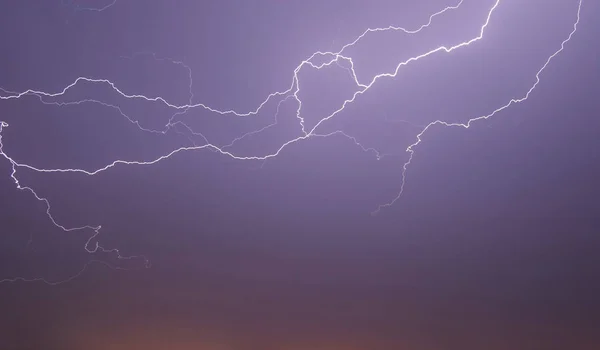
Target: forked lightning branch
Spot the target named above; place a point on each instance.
(292, 93)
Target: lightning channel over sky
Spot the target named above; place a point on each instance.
(76, 6)
(306, 128)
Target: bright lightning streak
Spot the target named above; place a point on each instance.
(411, 149)
(291, 93)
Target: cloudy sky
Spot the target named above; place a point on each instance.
(245, 233)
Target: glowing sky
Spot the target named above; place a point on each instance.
(220, 163)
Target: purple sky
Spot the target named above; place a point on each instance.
(492, 244)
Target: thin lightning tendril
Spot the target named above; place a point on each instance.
(290, 94)
(77, 7)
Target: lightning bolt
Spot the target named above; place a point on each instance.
(78, 7)
(329, 58)
(411, 149)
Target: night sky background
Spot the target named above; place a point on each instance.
(493, 244)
